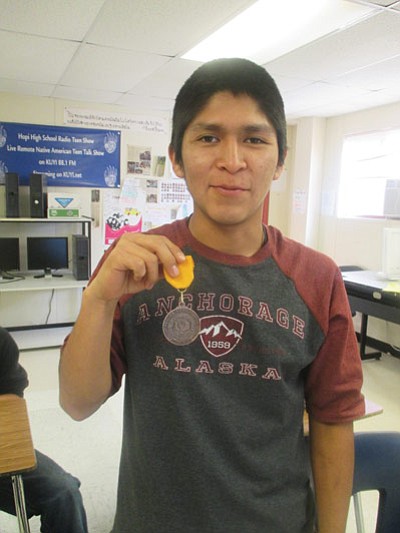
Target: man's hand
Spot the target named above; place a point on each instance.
(135, 264)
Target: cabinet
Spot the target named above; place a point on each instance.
(35, 303)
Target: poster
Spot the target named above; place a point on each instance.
(70, 157)
(139, 160)
(91, 118)
(119, 218)
(143, 203)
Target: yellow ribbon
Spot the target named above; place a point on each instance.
(185, 276)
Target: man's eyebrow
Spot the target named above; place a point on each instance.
(248, 128)
(209, 126)
(259, 128)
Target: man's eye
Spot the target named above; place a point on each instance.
(209, 139)
(254, 140)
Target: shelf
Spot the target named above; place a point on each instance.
(20, 298)
(40, 284)
(44, 220)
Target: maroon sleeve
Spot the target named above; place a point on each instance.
(334, 381)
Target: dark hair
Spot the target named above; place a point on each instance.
(238, 76)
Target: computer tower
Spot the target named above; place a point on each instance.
(38, 195)
(391, 206)
(80, 257)
(12, 195)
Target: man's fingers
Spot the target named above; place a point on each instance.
(144, 254)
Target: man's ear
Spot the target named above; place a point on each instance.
(177, 167)
(280, 168)
(278, 171)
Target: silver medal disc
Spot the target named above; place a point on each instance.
(181, 326)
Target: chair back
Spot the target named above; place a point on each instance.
(377, 467)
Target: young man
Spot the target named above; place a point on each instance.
(217, 369)
(50, 492)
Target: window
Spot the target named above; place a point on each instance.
(370, 175)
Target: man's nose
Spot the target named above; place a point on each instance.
(231, 156)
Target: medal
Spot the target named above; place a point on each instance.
(181, 326)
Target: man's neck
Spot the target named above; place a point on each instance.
(230, 239)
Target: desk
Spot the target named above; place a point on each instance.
(17, 454)
(31, 285)
(366, 295)
(21, 305)
(16, 448)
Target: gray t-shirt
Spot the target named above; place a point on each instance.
(213, 437)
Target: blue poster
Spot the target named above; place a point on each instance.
(70, 157)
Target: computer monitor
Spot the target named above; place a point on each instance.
(9, 256)
(47, 254)
(391, 253)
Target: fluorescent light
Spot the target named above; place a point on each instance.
(269, 29)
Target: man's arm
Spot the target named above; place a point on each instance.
(132, 266)
(332, 459)
(84, 370)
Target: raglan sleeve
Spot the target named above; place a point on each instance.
(334, 379)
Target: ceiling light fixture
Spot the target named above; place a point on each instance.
(267, 30)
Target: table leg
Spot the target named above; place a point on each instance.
(363, 340)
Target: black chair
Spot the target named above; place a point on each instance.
(377, 467)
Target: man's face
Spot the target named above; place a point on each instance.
(229, 160)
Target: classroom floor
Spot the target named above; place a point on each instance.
(90, 449)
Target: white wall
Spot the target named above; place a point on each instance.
(38, 110)
(311, 176)
(355, 242)
(314, 170)
(295, 202)
(281, 191)
(352, 241)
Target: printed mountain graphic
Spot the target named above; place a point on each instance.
(64, 202)
(220, 334)
(215, 329)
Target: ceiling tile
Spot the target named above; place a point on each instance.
(383, 75)
(320, 93)
(383, 3)
(363, 44)
(161, 27)
(34, 58)
(288, 83)
(166, 81)
(23, 87)
(375, 3)
(86, 95)
(125, 54)
(145, 104)
(97, 67)
(49, 18)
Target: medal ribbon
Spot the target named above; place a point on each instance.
(185, 277)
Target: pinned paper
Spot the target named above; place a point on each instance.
(392, 286)
(64, 202)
